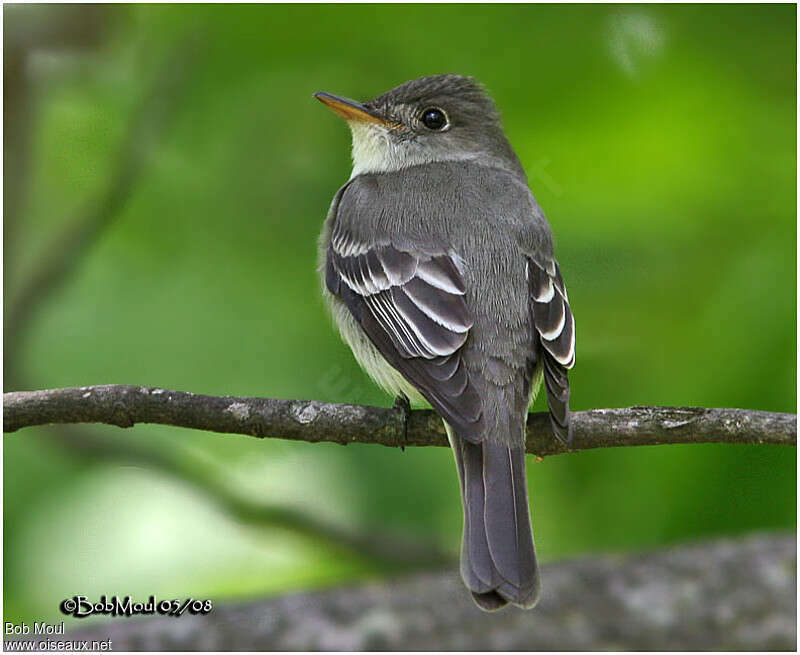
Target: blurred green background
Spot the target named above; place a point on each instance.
(660, 141)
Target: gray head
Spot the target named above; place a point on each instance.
(430, 119)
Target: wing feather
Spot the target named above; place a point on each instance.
(551, 312)
(412, 308)
(555, 333)
(446, 309)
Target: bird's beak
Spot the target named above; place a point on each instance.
(351, 110)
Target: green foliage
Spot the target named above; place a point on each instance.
(660, 141)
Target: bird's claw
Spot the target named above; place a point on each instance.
(402, 404)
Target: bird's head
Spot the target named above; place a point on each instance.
(427, 120)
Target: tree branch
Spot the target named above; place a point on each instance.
(314, 421)
(729, 594)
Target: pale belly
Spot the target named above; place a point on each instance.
(367, 355)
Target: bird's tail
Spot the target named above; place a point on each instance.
(498, 561)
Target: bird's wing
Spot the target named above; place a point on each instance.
(411, 306)
(555, 333)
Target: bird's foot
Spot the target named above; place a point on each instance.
(402, 404)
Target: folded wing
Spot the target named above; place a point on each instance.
(555, 331)
(412, 308)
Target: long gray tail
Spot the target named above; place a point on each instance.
(498, 561)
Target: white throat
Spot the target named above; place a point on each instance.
(375, 150)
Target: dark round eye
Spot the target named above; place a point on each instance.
(434, 118)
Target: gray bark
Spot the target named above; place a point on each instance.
(721, 595)
(314, 421)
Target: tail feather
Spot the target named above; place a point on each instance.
(490, 601)
(508, 524)
(498, 561)
(476, 564)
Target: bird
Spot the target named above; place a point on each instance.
(438, 267)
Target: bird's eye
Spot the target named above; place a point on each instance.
(434, 118)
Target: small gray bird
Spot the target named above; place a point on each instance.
(438, 267)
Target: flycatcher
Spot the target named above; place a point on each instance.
(439, 270)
